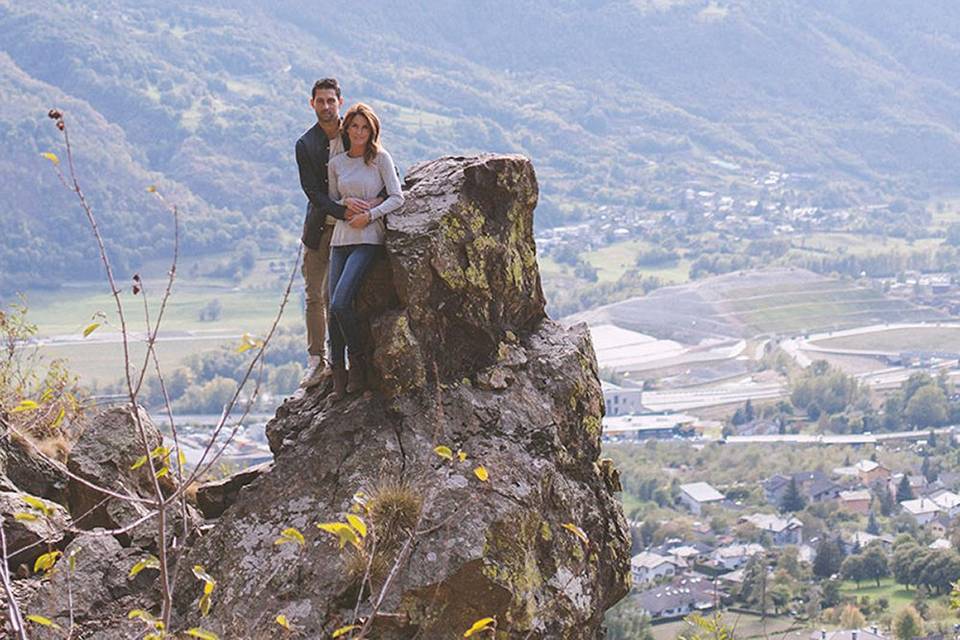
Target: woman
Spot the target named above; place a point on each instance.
(359, 174)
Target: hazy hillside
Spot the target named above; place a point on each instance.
(616, 102)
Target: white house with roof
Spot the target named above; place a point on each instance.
(948, 501)
(734, 556)
(783, 531)
(696, 495)
(923, 510)
(648, 566)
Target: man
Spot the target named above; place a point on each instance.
(314, 149)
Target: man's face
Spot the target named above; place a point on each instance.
(327, 105)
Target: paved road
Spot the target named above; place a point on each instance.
(862, 438)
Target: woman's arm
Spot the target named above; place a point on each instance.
(391, 181)
(332, 181)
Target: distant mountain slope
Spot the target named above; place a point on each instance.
(617, 102)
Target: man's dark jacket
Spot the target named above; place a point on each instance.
(313, 154)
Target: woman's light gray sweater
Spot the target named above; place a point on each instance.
(353, 178)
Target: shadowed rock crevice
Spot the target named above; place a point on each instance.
(461, 355)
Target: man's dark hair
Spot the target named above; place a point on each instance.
(326, 83)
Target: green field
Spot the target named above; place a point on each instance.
(931, 338)
(861, 244)
(613, 261)
(895, 593)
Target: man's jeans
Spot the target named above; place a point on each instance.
(316, 263)
(348, 265)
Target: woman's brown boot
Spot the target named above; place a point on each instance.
(358, 375)
(339, 383)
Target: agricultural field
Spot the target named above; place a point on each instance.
(931, 338)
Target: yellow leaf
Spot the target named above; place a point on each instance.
(37, 504)
(182, 458)
(25, 405)
(282, 621)
(208, 583)
(142, 460)
(46, 622)
(150, 562)
(343, 532)
(46, 561)
(24, 516)
(358, 524)
(481, 473)
(205, 604)
(151, 189)
(52, 157)
(344, 630)
(577, 531)
(461, 455)
(141, 614)
(443, 452)
(479, 625)
(290, 534)
(164, 471)
(90, 328)
(197, 632)
(60, 416)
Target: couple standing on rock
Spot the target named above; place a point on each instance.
(351, 184)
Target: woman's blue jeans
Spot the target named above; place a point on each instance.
(348, 265)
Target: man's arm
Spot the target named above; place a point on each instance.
(312, 186)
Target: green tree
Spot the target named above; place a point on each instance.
(904, 490)
(874, 563)
(927, 408)
(873, 527)
(907, 624)
(829, 558)
(852, 569)
(792, 500)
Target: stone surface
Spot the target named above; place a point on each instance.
(29, 472)
(108, 447)
(34, 532)
(213, 498)
(462, 356)
(100, 587)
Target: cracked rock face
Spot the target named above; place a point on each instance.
(463, 357)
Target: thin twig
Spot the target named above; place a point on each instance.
(13, 609)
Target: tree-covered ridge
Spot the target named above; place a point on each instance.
(618, 103)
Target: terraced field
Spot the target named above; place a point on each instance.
(748, 304)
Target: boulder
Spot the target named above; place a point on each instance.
(108, 448)
(525, 528)
(29, 472)
(100, 588)
(214, 497)
(32, 525)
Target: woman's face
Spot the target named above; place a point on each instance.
(359, 131)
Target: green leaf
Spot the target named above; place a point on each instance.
(343, 532)
(25, 516)
(162, 472)
(443, 452)
(60, 416)
(197, 632)
(142, 460)
(90, 328)
(52, 157)
(205, 604)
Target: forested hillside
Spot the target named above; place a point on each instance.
(618, 103)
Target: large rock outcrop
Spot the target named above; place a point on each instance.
(463, 357)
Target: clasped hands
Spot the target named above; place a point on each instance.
(358, 211)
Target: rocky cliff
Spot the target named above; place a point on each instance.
(466, 485)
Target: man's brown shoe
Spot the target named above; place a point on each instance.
(339, 374)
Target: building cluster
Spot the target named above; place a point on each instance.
(701, 571)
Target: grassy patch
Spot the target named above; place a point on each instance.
(898, 596)
(916, 339)
(613, 261)
(745, 626)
